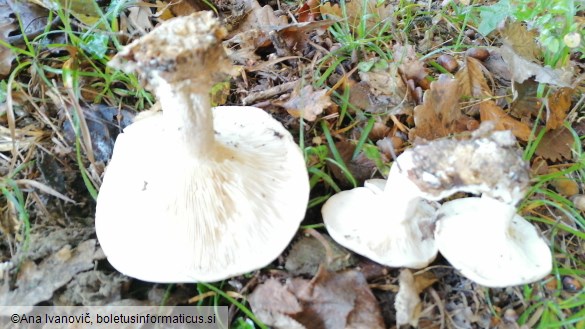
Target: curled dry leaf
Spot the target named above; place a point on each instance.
(522, 69)
(489, 111)
(439, 113)
(472, 80)
(329, 301)
(556, 144)
(557, 106)
(307, 103)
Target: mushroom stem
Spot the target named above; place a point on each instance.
(187, 116)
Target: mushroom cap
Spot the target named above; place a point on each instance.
(182, 48)
(364, 220)
(491, 165)
(490, 244)
(166, 217)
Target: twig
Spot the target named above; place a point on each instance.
(270, 92)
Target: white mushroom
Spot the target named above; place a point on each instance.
(195, 194)
(490, 244)
(389, 223)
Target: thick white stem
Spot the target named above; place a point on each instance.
(187, 117)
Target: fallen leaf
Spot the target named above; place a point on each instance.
(407, 303)
(522, 69)
(381, 89)
(439, 113)
(307, 102)
(86, 11)
(36, 283)
(522, 40)
(409, 64)
(472, 80)
(361, 167)
(139, 19)
(307, 254)
(274, 304)
(329, 301)
(557, 106)
(489, 111)
(526, 103)
(378, 13)
(33, 19)
(185, 7)
(556, 144)
(564, 185)
(424, 280)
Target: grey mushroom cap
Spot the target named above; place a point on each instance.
(197, 194)
(490, 244)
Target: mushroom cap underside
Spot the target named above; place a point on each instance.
(364, 221)
(165, 217)
(490, 244)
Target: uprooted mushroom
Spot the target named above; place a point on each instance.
(196, 194)
(466, 230)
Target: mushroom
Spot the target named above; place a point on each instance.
(387, 221)
(197, 194)
(490, 244)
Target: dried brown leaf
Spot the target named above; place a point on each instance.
(377, 14)
(409, 64)
(472, 80)
(307, 103)
(185, 7)
(6, 55)
(522, 40)
(556, 144)
(489, 111)
(33, 20)
(564, 185)
(381, 88)
(526, 104)
(307, 254)
(439, 113)
(424, 280)
(329, 301)
(361, 167)
(557, 106)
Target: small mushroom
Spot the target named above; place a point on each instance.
(197, 194)
(490, 244)
(386, 221)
